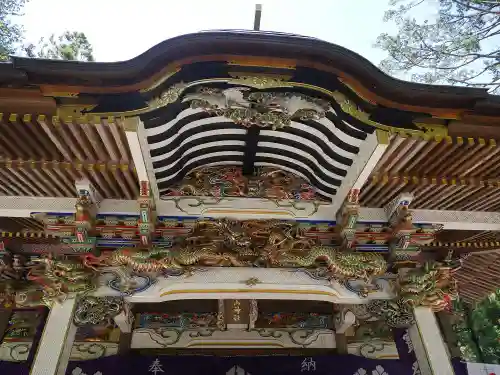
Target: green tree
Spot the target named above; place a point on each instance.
(485, 320)
(10, 33)
(71, 45)
(459, 46)
(461, 324)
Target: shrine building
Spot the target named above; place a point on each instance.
(244, 198)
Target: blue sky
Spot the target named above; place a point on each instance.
(122, 29)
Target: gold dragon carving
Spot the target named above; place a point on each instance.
(230, 243)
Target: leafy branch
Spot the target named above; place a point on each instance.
(461, 46)
(68, 46)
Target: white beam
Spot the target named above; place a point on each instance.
(57, 340)
(232, 283)
(22, 206)
(426, 335)
(136, 138)
(371, 151)
(239, 208)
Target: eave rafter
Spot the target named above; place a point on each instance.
(73, 165)
(450, 173)
(478, 276)
(451, 193)
(44, 156)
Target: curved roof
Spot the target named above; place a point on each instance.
(268, 49)
(249, 99)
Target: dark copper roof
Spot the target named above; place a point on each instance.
(131, 75)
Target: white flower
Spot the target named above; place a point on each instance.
(407, 340)
(360, 371)
(379, 370)
(98, 373)
(77, 371)
(415, 368)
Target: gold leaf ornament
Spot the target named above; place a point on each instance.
(171, 95)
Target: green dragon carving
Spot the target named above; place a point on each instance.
(431, 285)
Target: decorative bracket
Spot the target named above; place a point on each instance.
(347, 218)
(146, 221)
(401, 222)
(86, 206)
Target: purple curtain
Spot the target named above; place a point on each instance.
(407, 354)
(404, 345)
(459, 366)
(257, 365)
(14, 368)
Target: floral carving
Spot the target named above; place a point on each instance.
(171, 95)
(79, 371)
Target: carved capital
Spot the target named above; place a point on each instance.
(97, 310)
(343, 320)
(254, 313)
(125, 319)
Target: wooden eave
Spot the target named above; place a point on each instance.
(20, 224)
(451, 173)
(479, 276)
(44, 156)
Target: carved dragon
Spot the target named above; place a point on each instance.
(61, 278)
(341, 265)
(431, 285)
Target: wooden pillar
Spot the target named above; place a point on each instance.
(429, 346)
(124, 343)
(55, 346)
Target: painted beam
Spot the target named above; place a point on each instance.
(451, 220)
(370, 153)
(22, 206)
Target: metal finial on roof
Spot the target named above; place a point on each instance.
(258, 15)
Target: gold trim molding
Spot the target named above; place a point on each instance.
(272, 291)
